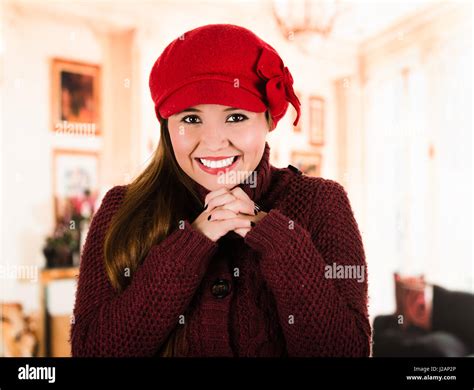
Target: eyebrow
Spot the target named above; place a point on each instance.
(191, 109)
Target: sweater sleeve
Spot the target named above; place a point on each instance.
(320, 315)
(137, 321)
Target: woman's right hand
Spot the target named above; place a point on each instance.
(216, 221)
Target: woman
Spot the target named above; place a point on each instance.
(212, 251)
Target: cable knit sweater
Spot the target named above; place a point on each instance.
(279, 302)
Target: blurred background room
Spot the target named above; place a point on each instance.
(386, 93)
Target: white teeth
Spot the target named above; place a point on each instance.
(217, 163)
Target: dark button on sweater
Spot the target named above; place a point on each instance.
(220, 288)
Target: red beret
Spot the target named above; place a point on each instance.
(222, 64)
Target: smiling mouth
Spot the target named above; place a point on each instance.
(215, 166)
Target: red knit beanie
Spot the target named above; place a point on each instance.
(222, 64)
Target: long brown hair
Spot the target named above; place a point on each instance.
(154, 204)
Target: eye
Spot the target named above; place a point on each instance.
(191, 119)
(237, 118)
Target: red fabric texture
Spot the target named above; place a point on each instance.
(281, 275)
(222, 64)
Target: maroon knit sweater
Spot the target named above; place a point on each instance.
(279, 301)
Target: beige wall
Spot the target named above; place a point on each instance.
(416, 86)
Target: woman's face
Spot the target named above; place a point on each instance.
(218, 146)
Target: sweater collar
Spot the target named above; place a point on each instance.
(255, 189)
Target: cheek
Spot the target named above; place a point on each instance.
(251, 138)
(183, 144)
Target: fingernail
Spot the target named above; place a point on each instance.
(252, 223)
(209, 218)
(205, 207)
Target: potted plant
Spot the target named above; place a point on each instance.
(61, 246)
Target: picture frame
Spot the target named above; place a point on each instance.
(75, 183)
(75, 98)
(307, 162)
(316, 120)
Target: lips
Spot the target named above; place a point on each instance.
(216, 165)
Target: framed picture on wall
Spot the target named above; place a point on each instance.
(307, 162)
(75, 98)
(75, 184)
(316, 120)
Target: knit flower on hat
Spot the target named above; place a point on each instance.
(279, 86)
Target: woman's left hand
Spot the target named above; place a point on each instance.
(240, 204)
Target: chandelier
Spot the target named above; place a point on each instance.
(305, 21)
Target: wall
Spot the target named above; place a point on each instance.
(30, 40)
(417, 147)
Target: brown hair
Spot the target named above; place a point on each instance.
(154, 203)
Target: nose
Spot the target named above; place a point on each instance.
(214, 137)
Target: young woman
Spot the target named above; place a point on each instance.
(212, 251)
